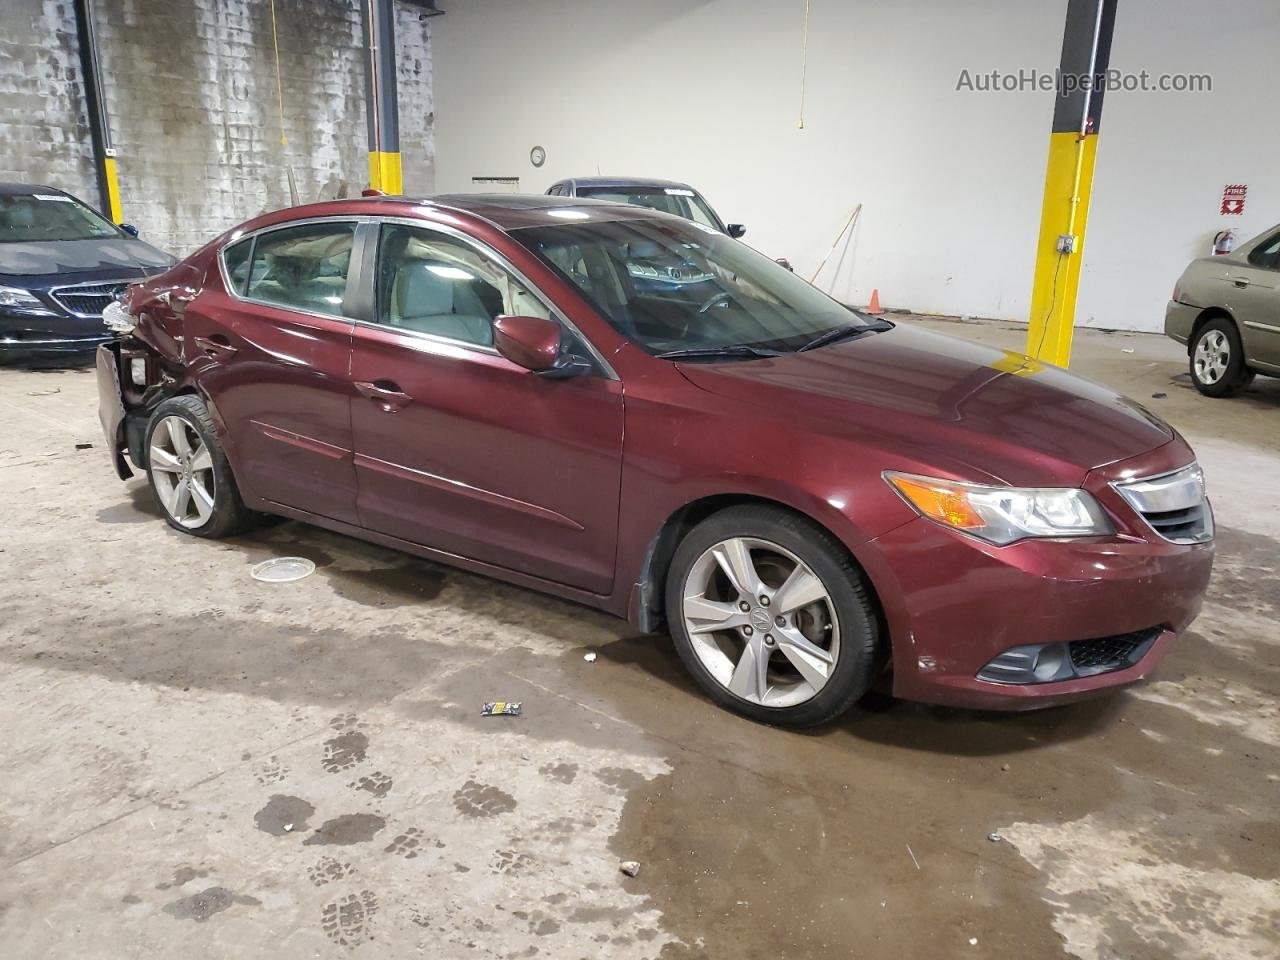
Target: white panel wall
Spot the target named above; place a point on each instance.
(951, 181)
(1163, 159)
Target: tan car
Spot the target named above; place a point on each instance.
(1227, 311)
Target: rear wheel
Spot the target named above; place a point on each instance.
(1217, 360)
(771, 617)
(189, 472)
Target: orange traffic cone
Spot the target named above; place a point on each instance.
(873, 307)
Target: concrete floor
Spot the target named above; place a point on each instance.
(200, 765)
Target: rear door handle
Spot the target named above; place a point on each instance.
(1241, 282)
(385, 394)
(217, 346)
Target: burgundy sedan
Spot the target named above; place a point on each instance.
(632, 411)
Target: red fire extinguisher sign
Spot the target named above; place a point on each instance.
(1233, 195)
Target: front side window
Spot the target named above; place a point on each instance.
(1267, 254)
(38, 217)
(675, 200)
(430, 282)
(304, 267)
(670, 286)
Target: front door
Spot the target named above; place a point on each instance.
(1255, 302)
(457, 448)
(273, 355)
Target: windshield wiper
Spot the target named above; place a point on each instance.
(843, 333)
(730, 351)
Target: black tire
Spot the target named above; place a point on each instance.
(228, 515)
(858, 660)
(1237, 375)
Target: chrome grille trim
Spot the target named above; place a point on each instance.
(88, 300)
(1173, 505)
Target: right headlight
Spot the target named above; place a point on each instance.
(1003, 515)
(17, 299)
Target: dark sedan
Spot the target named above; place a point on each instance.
(61, 263)
(623, 408)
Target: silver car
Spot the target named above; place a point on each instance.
(1227, 311)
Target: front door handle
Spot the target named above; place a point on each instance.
(216, 347)
(385, 394)
(1240, 282)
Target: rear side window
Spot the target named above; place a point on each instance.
(1267, 254)
(303, 267)
(236, 257)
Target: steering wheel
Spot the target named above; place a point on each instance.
(713, 300)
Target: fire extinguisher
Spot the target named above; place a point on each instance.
(1224, 242)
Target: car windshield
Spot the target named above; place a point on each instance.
(674, 287)
(680, 201)
(36, 217)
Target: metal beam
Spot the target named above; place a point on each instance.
(382, 110)
(104, 151)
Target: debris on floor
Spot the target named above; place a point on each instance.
(84, 446)
(1158, 396)
(501, 708)
(283, 569)
(994, 837)
(590, 656)
(630, 867)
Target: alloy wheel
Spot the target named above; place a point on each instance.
(761, 622)
(1213, 354)
(182, 472)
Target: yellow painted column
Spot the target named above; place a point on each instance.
(1065, 213)
(112, 180)
(1068, 181)
(384, 172)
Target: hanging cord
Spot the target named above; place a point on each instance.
(275, 43)
(804, 62)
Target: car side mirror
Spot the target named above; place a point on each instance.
(735, 230)
(784, 262)
(130, 229)
(534, 343)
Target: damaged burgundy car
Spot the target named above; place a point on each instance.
(638, 413)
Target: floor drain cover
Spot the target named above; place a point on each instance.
(283, 570)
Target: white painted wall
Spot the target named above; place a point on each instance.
(1163, 159)
(709, 90)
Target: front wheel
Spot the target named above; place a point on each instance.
(189, 472)
(771, 617)
(1217, 360)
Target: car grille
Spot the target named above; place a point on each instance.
(1110, 653)
(89, 299)
(1173, 505)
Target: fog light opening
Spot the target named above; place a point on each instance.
(1049, 661)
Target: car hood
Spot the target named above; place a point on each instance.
(59, 258)
(937, 400)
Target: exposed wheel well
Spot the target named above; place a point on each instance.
(1210, 313)
(663, 547)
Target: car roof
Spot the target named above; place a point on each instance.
(506, 211)
(26, 189)
(607, 182)
(511, 211)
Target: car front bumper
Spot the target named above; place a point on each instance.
(36, 335)
(1179, 320)
(953, 603)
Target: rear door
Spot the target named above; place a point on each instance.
(1256, 301)
(457, 448)
(273, 353)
